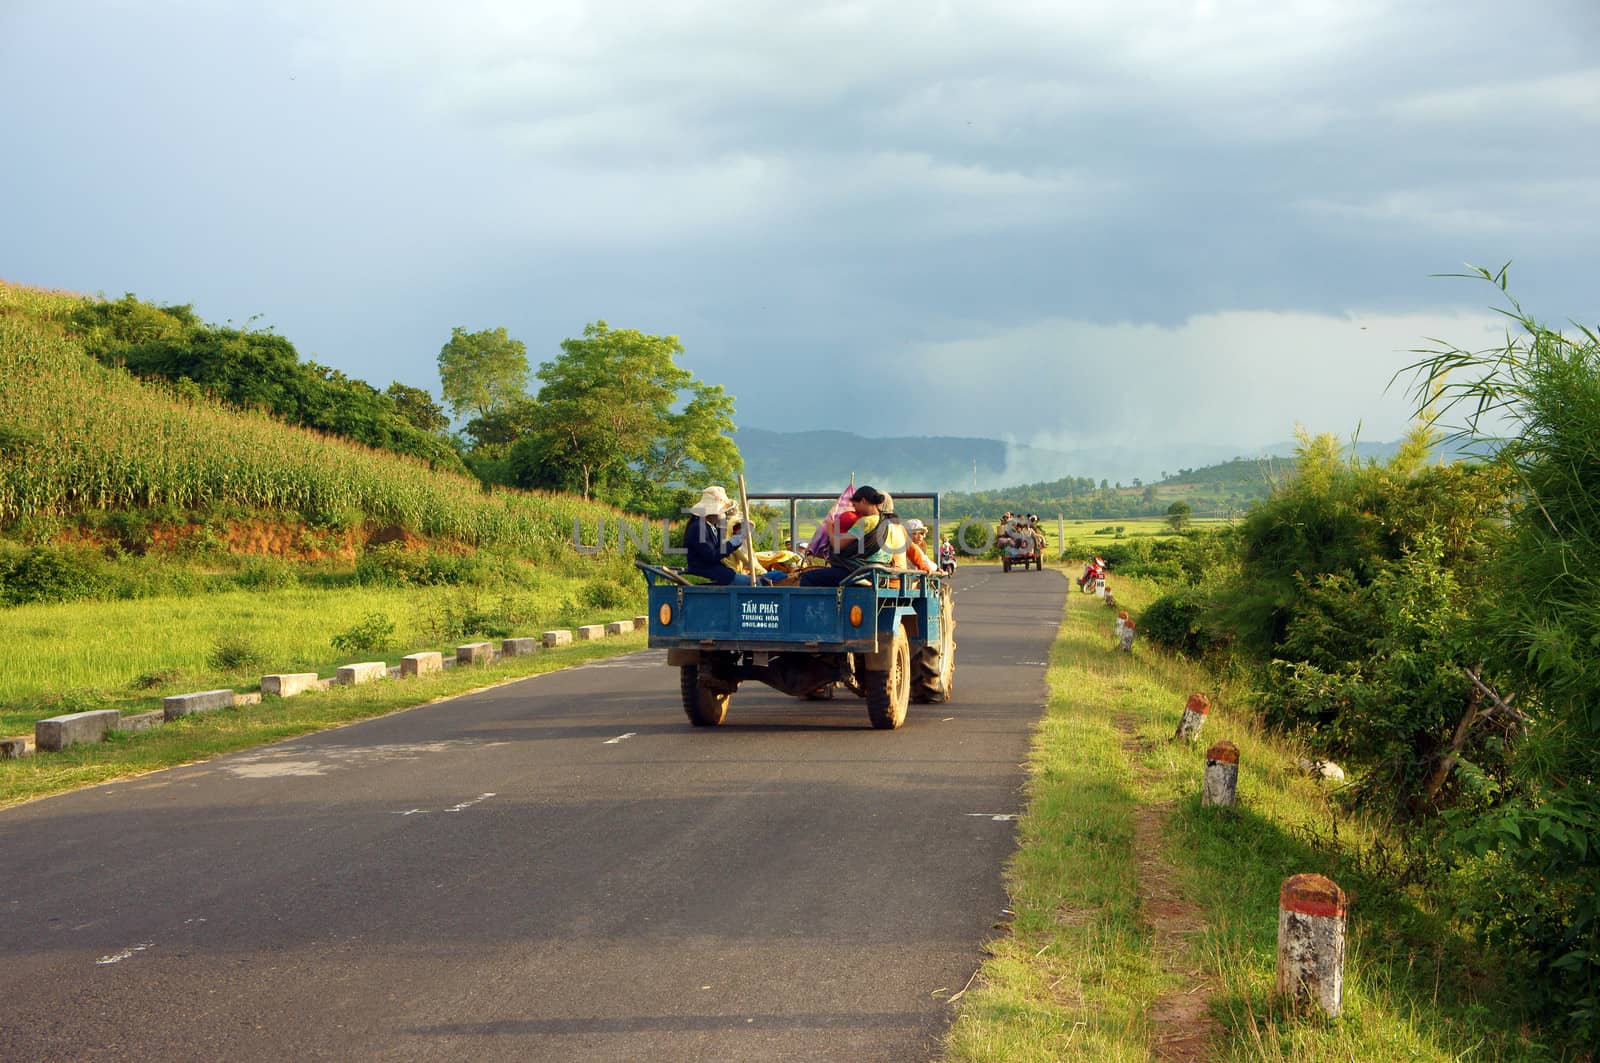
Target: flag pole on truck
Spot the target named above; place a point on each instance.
(748, 545)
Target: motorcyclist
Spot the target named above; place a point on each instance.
(1093, 571)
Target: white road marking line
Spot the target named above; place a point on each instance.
(614, 741)
(118, 957)
(1000, 817)
(469, 804)
(411, 812)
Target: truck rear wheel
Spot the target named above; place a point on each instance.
(889, 691)
(933, 671)
(703, 707)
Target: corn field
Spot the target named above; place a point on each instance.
(76, 436)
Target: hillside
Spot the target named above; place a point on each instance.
(79, 440)
(815, 460)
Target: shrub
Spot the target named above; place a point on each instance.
(266, 574)
(372, 633)
(233, 652)
(1536, 855)
(159, 678)
(1177, 621)
(607, 594)
(394, 565)
(48, 574)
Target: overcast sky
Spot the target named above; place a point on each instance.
(1065, 223)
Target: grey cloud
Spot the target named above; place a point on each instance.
(814, 194)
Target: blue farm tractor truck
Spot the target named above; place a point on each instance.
(885, 634)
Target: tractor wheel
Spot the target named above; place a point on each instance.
(933, 671)
(889, 692)
(703, 707)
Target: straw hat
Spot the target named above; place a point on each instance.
(714, 500)
(915, 525)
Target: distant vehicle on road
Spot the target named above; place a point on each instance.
(1021, 544)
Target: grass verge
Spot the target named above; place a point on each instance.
(1080, 976)
(127, 655)
(228, 730)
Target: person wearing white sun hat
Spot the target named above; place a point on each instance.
(706, 540)
(917, 548)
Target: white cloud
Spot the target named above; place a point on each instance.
(1237, 378)
(1562, 99)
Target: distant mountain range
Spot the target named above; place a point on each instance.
(824, 461)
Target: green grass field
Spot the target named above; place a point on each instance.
(1082, 538)
(127, 655)
(1131, 901)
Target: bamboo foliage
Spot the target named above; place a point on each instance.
(77, 436)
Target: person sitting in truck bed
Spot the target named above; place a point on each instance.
(917, 548)
(863, 540)
(706, 544)
(896, 539)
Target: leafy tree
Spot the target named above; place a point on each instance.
(1179, 514)
(418, 407)
(482, 371)
(493, 434)
(606, 421)
(695, 441)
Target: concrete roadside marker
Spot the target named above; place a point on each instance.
(182, 705)
(1125, 639)
(142, 721)
(415, 664)
(475, 653)
(591, 632)
(76, 728)
(288, 684)
(619, 627)
(641, 622)
(553, 639)
(1311, 925)
(518, 647)
(14, 748)
(1194, 718)
(364, 672)
(1221, 786)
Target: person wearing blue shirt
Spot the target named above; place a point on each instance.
(706, 544)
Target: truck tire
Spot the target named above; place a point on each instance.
(933, 671)
(889, 692)
(703, 707)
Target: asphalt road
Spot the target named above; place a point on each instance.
(561, 868)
